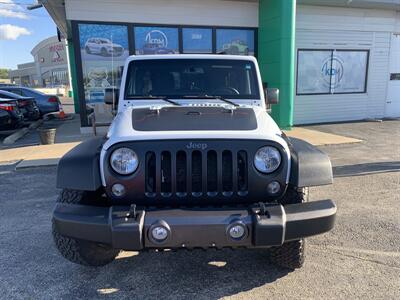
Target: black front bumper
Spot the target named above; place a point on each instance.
(122, 228)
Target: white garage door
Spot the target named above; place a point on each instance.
(393, 93)
(341, 75)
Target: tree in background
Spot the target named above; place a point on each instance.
(4, 73)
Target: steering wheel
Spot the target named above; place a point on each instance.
(228, 90)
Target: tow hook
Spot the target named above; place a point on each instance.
(132, 212)
(262, 210)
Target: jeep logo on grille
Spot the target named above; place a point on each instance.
(197, 146)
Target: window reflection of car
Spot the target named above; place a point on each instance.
(236, 47)
(103, 47)
(153, 48)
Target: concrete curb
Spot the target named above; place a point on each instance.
(36, 124)
(11, 139)
(25, 164)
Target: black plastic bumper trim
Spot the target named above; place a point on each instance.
(308, 219)
(192, 228)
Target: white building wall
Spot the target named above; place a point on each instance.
(344, 28)
(183, 12)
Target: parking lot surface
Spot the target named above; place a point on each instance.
(360, 258)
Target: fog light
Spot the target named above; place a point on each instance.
(237, 231)
(273, 187)
(159, 233)
(118, 190)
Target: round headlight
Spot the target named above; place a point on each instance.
(267, 159)
(124, 161)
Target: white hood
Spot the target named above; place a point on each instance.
(121, 130)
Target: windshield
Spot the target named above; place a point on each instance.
(177, 78)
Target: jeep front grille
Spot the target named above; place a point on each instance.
(198, 173)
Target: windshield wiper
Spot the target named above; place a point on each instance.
(165, 98)
(212, 97)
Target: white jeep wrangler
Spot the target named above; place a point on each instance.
(191, 160)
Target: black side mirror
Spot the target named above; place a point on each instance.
(271, 95)
(111, 96)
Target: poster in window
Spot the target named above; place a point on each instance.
(314, 71)
(197, 40)
(156, 40)
(235, 41)
(104, 49)
(349, 69)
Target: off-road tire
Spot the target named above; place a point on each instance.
(79, 251)
(291, 254)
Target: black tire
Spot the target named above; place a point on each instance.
(88, 50)
(290, 255)
(79, 251)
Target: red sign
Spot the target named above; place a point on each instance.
(56, 55)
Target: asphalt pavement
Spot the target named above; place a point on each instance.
(359, 259)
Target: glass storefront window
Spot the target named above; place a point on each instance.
(349, 71)
(331, 71)
(104, 49)
(156, 40)
(197, 40)
(313, 72)
(235, 41)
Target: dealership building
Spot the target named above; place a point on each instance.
(49, 67)
(333, 61)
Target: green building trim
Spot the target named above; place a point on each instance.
(276, 54)
(73, 74)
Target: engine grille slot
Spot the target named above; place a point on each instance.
(212, 173)
(181, 174)
(227, 172)
(150, 174)
(166, 174)
(242, 173)
(196, 173)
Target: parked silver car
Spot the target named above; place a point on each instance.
(103, 47)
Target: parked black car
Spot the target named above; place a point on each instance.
(46, 103)
(27, 105)
(10, 115)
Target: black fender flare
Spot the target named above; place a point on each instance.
(79, 169)
(309, 165)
